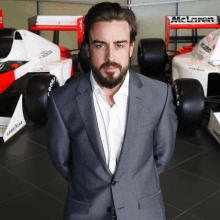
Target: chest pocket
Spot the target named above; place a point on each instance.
(146, 123)
(145, 127)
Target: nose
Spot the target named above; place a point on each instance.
(110, 53)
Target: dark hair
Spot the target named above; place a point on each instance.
(107, 11)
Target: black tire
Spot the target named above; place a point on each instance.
(36, 96)
(152, 56)
(84, 60)
(7, 32)
(6, 40)
(189, 101)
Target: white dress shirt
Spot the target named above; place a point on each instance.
(111, 120)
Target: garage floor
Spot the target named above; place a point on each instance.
(31, 188)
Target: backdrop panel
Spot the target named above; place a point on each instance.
(16, 13)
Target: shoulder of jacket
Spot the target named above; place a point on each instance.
(66, 90)
(153, 83)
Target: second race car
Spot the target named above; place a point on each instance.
(195, 75)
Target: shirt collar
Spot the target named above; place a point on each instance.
(124, 87)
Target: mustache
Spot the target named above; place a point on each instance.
(109, 63)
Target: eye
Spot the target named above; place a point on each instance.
(119, 45)
(99, 46)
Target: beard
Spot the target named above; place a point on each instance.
(110, 81)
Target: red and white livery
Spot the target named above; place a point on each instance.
(41, 56)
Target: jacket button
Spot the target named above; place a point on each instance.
(113, 183)
(110, 209)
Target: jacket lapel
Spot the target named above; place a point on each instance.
(133, 120)
(87, 111)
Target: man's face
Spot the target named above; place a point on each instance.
(109, 51)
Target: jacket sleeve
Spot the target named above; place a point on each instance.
(165, 134)
(58, 140)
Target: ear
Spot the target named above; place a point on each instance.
(131, 48)
(87, 49)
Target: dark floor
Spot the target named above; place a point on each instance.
(31, 188)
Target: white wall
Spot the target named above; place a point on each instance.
(16, 13)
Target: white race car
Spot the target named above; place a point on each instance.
(48, 67)
(42, 59)
(196, 79)
(201, 64)
(195, 76)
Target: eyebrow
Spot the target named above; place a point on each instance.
(103, 42)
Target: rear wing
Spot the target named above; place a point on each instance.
(1, 20)
(56, 24)
(188, 22)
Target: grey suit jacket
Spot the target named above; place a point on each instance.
(76, 151)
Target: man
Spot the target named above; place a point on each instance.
(112, 132)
